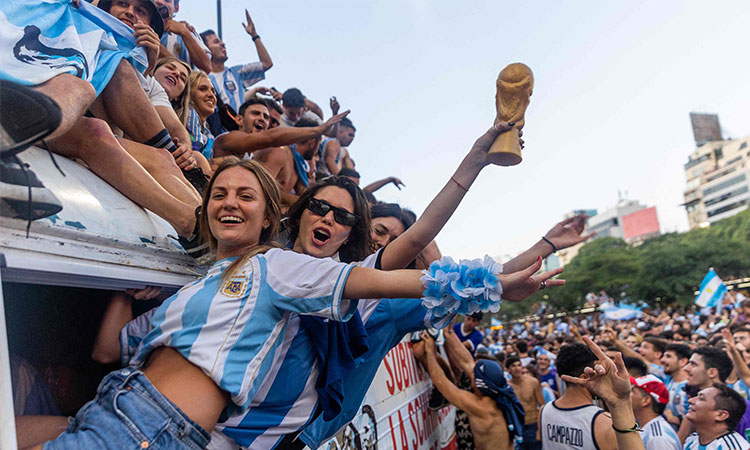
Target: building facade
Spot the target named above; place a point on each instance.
(717, 176)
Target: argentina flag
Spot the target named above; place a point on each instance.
(712, 290)
(623, 311)
(40, 39)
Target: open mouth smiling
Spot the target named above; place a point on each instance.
(230, 219)
(320, 236)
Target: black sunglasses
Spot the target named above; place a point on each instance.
(321, 208)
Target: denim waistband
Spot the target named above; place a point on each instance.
(135, 379)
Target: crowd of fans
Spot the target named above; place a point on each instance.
(153, 109)
(688, 369)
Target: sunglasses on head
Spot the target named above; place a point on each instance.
(321, 208)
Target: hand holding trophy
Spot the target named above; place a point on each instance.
(514, 87)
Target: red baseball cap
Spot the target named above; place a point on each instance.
(653, 386)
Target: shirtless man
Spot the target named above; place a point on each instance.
(333, 153)
(529, 392)
(254, 134)
(487, 420)
(290, 165)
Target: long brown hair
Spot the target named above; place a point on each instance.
(272, 196)
(181, 104)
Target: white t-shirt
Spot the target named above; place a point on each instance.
(155, 92)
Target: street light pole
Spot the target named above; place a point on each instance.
(218, 17)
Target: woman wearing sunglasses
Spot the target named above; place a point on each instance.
(211, 345)
(332, 219)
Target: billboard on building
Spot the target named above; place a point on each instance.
(641, 224)
(705, 127)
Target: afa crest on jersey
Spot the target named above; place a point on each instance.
(234, 287)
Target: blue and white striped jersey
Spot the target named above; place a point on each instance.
(287, 400)
(741, 388)
(658, 434)
(677, 397)
(730, 441)
(233, 328)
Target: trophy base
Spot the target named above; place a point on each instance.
(506, 150)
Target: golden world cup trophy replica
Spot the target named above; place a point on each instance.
(514, 86)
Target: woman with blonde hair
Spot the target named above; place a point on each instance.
(202, 104)
(211, 345)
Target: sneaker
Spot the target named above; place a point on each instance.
(23, 195)
(26, 116)
(437, 401)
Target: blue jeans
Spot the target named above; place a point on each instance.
(129, 413)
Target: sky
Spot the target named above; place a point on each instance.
(615, 82)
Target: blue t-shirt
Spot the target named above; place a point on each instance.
(475, 337)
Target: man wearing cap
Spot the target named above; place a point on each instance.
(495, 414)
(649, 397)
(467, 332)
(715, 413)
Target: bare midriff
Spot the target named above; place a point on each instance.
(185, 385)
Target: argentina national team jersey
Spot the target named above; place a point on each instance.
(677, 397)
(232, 328)
(729, 441)
(658, 434)
(741, 388)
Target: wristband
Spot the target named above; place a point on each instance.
(554, 247)
(459, 185)
(256, 37)
(629, 430)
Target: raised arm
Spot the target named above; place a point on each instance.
(198, 56)
(265, 58)
(563, 235)
(374, 186)
(610, 381)
(314, 108)
(739, 363)
(240, 142)
(458, 355)
(399, 253)
(460, 398)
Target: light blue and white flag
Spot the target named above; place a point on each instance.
(40, 39)
(494, 323)
(712, 291)
(623, 311)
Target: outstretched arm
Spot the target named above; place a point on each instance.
(240, 142)
(405, 248)
(364, 282)
(374, 186)
(563, 235)
(265, 58)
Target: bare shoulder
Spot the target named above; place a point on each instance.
(603, 432)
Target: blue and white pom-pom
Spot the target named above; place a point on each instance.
(464, 288)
